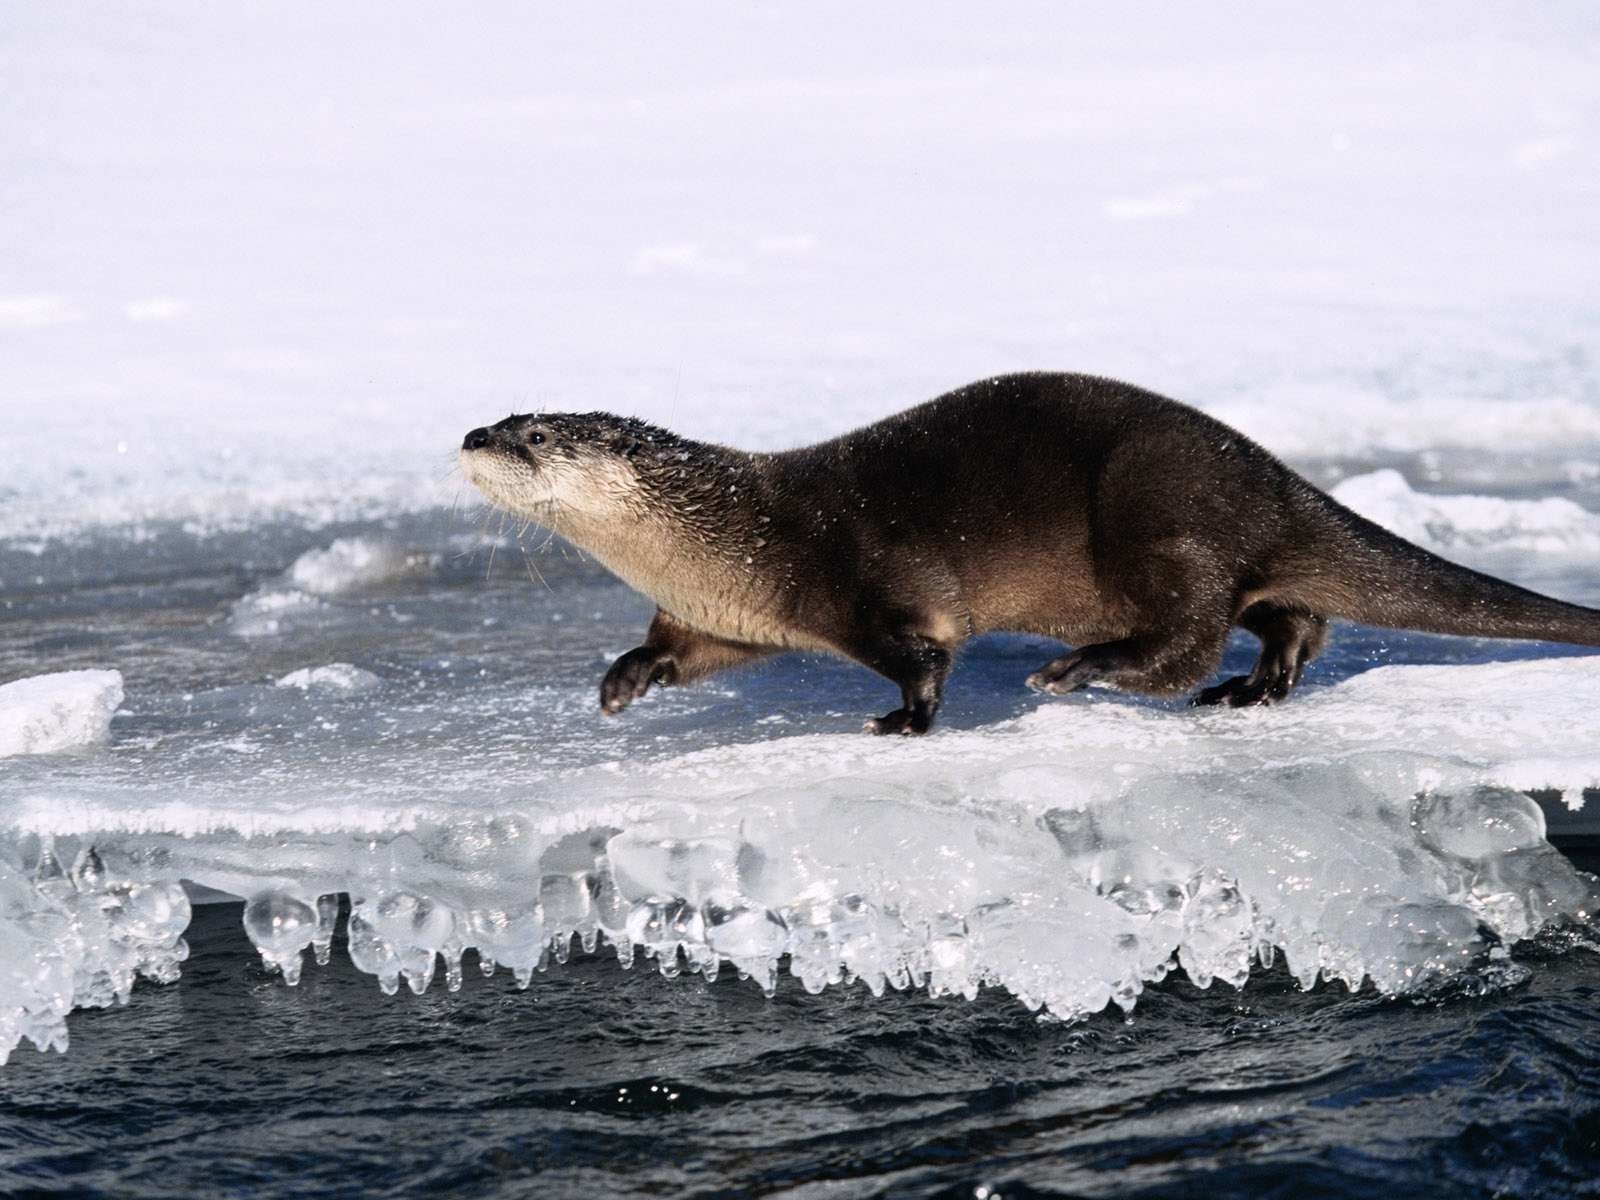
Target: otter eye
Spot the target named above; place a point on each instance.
(536, 439)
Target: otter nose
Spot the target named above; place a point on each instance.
(476, 440)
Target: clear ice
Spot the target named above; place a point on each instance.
(1070, 909)
(79, 938)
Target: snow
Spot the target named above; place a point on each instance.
(46, 714)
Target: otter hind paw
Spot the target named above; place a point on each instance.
(1070, 673)
(1241, 691)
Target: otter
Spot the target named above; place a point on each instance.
(1129, 526)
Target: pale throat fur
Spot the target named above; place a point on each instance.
(685, 538)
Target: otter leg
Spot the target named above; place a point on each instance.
(919, 665)
(1290, 639)
(1077, 669)
(1183, 608)
(672, 653)
(1158, 664)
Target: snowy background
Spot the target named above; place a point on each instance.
(275, 259)
(261, 267)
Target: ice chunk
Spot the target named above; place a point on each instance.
(263, 613)
(400, 935)
(510, 937)
(47, 713)
(344, 566)
(350, 563)
(335, 677)
(281, 927)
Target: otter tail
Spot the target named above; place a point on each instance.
(1367, 574)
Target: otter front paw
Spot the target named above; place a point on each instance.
(902, 720)
(631, 676)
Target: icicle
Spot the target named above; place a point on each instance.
(327, 922)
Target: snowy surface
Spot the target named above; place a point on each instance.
(1532, 724)
(263, 269)
(64, 711)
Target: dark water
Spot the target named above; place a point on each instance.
(601, 1082)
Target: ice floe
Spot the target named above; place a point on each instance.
(1372, 829)
(350, 563)
(48, 713)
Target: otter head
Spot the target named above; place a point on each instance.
(560, 468)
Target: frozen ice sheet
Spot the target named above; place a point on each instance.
(1371, 832)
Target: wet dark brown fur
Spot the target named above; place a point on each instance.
(1127, 525)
